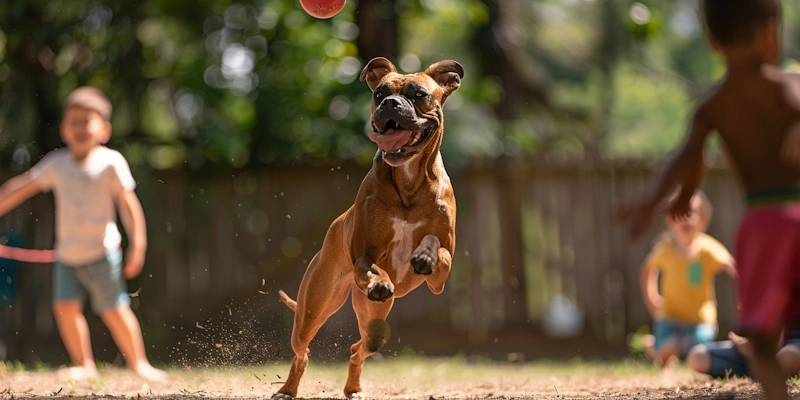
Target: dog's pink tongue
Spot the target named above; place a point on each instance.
(391, 140)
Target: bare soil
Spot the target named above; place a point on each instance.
(397, 378)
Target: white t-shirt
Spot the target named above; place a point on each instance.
(85, 194)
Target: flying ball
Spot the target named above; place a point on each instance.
(322, 9)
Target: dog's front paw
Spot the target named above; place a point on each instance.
(423, 264)
(379, 289)
(281, 396)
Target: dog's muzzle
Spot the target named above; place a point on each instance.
(398, 130)
(395, 112)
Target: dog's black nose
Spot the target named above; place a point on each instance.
(393, 102)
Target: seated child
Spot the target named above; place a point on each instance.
(730, 358)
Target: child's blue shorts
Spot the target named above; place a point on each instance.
(726, 361)
(681, 334)
(102, 280)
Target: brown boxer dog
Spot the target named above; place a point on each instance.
(401, 230)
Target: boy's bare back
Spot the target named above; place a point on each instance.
(754, 111)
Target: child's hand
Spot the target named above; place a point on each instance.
(741, 344)
(679, 210)
(679, 207)
(134, 261)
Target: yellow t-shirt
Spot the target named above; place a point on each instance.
(687, 284)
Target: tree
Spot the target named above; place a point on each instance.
(377, 23)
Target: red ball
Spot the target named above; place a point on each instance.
(322, 9)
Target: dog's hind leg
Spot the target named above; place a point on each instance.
(374, 334)
(322, 293)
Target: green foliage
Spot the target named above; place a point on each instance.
(636, 340)
(246, 83)
(12, 366)
(649, 115)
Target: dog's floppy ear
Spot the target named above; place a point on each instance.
(447, 74)
(375, 70)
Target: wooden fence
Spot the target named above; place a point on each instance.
(221, 247)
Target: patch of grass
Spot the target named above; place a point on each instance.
(12, 366)
(460, 367)
(16, 366)
(102, 365)
(39, 365)
(636, 340)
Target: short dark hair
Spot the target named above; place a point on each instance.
(91, 98)
(737, 21)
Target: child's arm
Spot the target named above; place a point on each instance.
(133, 220)
(649, 282)
(731, 271)
(16, 190)
(730, 268)
(684, 170)
(721, 260)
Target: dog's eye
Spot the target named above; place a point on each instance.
(378, 95)
(420, 94)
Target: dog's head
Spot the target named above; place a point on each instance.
(407, 109)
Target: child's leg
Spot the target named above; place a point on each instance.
(767, 256)
(74, 331)
(699, 359)
(68, 312)
(103, 279)
(718, 360)
(665, 345)
(692, 337)
(667, 351)
(127, 335)
(789, 359)
(765, 366)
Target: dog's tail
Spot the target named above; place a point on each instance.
(287, 300)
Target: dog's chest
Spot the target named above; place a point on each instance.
(402, 245)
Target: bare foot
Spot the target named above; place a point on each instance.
(150, 373)
(669, 365)
(77, 373)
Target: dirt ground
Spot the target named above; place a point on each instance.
(397, 378)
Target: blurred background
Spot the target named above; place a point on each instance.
(244, 123)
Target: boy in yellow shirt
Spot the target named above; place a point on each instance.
(684, 307)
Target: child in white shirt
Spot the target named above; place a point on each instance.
(89, 181)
